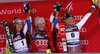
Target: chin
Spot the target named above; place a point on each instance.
(41, 29)
(19, 30)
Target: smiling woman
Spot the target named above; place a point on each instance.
(18, 38)
(72, 30)
(39, 23)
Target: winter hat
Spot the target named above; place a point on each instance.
(39, 20)
(16, 21)
(68, 15)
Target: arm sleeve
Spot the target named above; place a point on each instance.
(29, 25)
(85, 18)
(25, 28)
(53, 20)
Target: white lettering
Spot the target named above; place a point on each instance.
(19, 11)
(3, 50)
(7, 29)
(9, 12)
(3, 36)
(14, 11)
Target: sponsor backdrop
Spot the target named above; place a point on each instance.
(90, 32)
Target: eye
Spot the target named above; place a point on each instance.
(39, 23)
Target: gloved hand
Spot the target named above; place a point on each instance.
(26, 7)
(9, 50)
(57, 6)
(48, 51)
(95, 2)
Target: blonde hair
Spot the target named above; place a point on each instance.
(36, 28)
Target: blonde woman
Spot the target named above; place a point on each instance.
(72, 30)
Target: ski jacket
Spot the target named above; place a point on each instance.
(20, 44)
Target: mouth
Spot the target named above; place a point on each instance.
(41, 28)
(19, 28)
(70, 22)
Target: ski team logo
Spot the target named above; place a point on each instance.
(69, 7)
(62, 29)
(41, 21)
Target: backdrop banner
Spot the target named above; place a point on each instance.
(90, 32)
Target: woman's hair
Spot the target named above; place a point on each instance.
(21, 33)
(36, 28)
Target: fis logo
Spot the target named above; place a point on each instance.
(69, 7)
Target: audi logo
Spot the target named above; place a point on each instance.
(83, 29)
(41, 42)
(78, 17)
(84, 42)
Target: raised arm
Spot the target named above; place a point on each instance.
(25, 28)
(54, 16)
(28, 19)
(87, 15)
